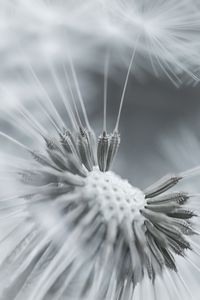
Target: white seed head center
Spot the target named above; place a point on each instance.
(115, 196)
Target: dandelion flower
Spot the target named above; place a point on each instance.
(80, 230)
(74, 229)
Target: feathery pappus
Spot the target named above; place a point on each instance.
(164, 33)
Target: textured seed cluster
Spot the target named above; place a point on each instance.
(114, 195)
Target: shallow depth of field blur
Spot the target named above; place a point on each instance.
(160, 123)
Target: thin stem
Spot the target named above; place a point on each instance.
(77, 116)
(191, 172)
(194, 195)
(185, 285)
(105, 91)
(125, 85)
(62, 94)
(49, 117)
(31, 120)
(42, 89)
(38, 101)
(13, 140)
(79, 94)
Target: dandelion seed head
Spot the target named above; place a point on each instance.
(90, 230)
(89, 213)
(86, 233)
(115, 196)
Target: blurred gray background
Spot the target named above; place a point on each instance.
(158, 124)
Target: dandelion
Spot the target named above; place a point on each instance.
(73, 227)
(80, 230)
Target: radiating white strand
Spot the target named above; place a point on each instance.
(125, 84)
(84, 260)
(44, 284)
(80, 98)
(105, 94)
(62, 95)
(28, 130)
(43, 91)
(77, 119)
(14, 141)
(43, 262)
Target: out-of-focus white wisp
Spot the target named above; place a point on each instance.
(165, 34)
(168, 31)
